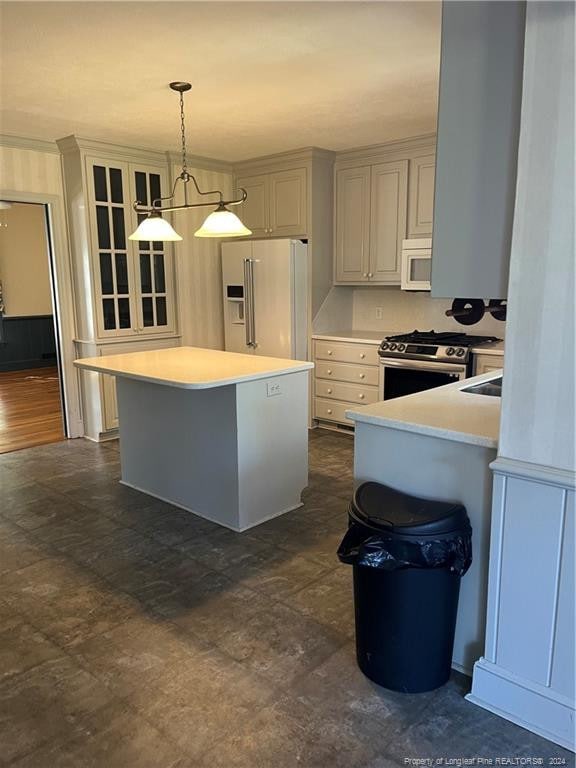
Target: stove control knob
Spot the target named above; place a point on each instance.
(392, 346)
(450, 351)
(401, 347)
(384, 345)
(460, 352)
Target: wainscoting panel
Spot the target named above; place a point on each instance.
(563, 648)
(533, 522)
(27, 342)
(528, 671)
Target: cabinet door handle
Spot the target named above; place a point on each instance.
(365, 274)
(370, 274)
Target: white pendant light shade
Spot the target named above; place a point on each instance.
(222, 223)
(154, 227)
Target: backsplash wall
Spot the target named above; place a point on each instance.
(406, 311)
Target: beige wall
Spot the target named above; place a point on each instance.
(24, 265)
(199, 268)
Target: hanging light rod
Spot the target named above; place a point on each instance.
(220, 223)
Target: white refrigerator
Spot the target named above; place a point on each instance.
(265, 291)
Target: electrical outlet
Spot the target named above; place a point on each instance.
(273, 388)
(378, 313)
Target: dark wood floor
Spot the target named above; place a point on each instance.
(30, 409)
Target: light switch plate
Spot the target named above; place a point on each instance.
(378, 313)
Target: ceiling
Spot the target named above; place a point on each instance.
(267, 76)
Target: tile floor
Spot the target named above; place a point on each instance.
(134, 635)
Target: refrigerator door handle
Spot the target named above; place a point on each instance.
(250, 323)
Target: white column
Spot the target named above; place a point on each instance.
(527, 674)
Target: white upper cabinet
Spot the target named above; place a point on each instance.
(421, 196)
(127, 288)
(277, 203)
(254, 211)
(389, 191)
(288, 203)
(371, 210)
(133, 281)
(352, 224)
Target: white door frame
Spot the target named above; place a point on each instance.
(63, 298)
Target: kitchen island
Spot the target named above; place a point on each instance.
(439, 444)
(220, 434)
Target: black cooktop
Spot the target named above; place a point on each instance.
(446, 338)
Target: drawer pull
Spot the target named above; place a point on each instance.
(361, 375)
(329, 391)
(329, 410)
(361, 397)
(362, 356)
(329, 351)
(329, 372)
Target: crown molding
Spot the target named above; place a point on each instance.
(413, 145)
(25, 142)
(201, 162)
(289, 158)
(71, 144)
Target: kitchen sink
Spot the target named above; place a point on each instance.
(491, 388)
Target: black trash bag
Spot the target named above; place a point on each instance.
(375, 549)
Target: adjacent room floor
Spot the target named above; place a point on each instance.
(30, 409)
(135, 635)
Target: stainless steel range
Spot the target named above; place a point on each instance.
(413, 362)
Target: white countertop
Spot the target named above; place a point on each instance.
(192, 367)
(494, 348)
(444, 412)
(365, 337)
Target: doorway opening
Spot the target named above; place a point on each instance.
(32, 410)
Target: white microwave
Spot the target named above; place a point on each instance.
(416, 264)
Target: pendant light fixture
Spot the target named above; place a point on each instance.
(220, 223)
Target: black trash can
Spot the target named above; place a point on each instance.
(408, 556)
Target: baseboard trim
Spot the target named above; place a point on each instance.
(518, 701)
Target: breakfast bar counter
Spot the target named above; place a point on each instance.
(220, 434)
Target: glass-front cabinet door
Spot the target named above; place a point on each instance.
(114, 283)
(154, 260)
(134, 281)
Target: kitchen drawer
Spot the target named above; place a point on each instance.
(331, 410)
(364, 354)
(359, 374)
(335, 390)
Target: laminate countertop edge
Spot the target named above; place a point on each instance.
(444, 412)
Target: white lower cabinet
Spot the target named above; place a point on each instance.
(346, 374)
(487, 363)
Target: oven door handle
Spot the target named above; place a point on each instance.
(422, 365)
